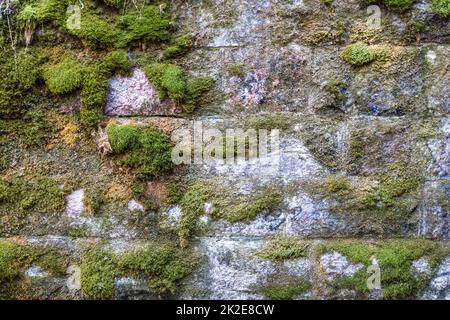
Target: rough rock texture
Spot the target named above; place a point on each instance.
(134, 96)
(366, 159)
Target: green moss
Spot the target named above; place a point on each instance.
(122, 138)
(115, 3)
(90, 118)
(267, 200)
(117, 61)
(52, 11)
(93, 199)
(284, 288)
(37, 193)
(327, 2)
(162, 263)
(395, 259)
(358, 54)
(225, 206)
(168, 80)
(401, 5)
(96, 32)
(178, 46)
(441, 7)
(334, 86)
(35, 129)
(27, 17)
(17, 76)
(146, 149)
(195, 90)
(12, 260)
(148, 24)
(319, 134)
(192, 206)
(98, 271)
(382, 203)
(175, 192)
(284, 248)
(235, 69)
(50, 260)
(63, 77)
(268, 122)
(15, 257)
(95, 87)
(336, 184)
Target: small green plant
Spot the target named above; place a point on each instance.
(441, 7)
(284, 248)
(33, 193)
(63, 77)
(192, 206)
(358, 54)
(115, 3)
(336, 184)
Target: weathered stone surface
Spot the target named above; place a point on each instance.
(135, 96)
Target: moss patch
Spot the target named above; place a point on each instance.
(284, 288)
(441, 7)
(145, 149)
(358, 54)
(395, 258)
(178, 46)
(163, 264)
(17, 77)
(98, 271)
(64, 76)
(24, 195)
(225, 206)
(284, 248)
